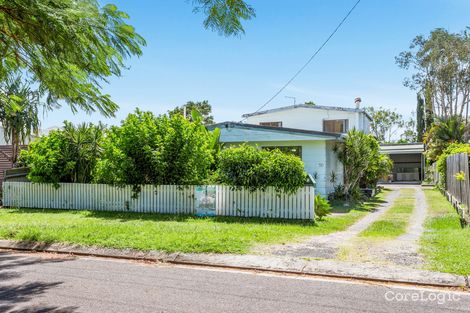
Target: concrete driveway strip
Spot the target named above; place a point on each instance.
(38, 283)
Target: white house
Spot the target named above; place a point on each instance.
(308, 131)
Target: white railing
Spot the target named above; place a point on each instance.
(171, 199)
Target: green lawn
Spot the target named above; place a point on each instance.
(445, 243)
(166, 232)
(395, 221)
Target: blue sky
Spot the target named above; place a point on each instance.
(182, 61)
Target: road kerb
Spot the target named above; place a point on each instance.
(327, 269)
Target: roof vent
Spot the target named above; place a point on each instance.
(358, 101)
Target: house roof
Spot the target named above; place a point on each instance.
(275, 129)
(308, 106)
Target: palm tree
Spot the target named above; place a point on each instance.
(84, 148)
(444, 132)
(451, 129)
(19, 106)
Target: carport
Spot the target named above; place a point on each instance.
(408, 161)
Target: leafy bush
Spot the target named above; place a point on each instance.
(147, 149)
(255, 169)
(453, 148)
(67, 155)
(322, 207)
(380, 166)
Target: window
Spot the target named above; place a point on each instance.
(294, 150)
(271, 124)
(335, 126)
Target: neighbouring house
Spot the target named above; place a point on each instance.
(408, 161)
(308, 131)
(6, 150)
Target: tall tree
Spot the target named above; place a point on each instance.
(385, 123)
(71, 47)
(441, 63)
(19, 108)
(203, 107)
(420, 119)
(409, 134)
(429, 119)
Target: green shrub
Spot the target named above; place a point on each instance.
(453, 148)
(322, 207)
(255, 169)
(161, 150)
(66, 155)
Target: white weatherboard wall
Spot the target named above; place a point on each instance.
(311, 118)
(169, 199)
(333, 165)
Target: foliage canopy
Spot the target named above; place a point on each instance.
(385, 123)
(441, 64)
(162, 150)
(202, 107)
(68, 47)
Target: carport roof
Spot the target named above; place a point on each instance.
(402, 148)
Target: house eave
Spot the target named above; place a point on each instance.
(294, 131)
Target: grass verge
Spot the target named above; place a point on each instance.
(395, 221)
(170, 233)
(445, 243)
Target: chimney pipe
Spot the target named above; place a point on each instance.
(358, 101)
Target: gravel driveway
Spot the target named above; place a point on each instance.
(347, 245)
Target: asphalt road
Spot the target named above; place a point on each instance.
(47, 283)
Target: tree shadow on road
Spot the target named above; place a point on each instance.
(14, 296)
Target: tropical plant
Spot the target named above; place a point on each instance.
(362, 162)
(66, 155)
(19, 106)
(322, 207)
(162, 150)
(444, 132)
(255, 169)
(441, 64)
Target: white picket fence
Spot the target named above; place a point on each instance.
(170, 199)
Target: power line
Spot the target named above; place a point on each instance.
(309, 60)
